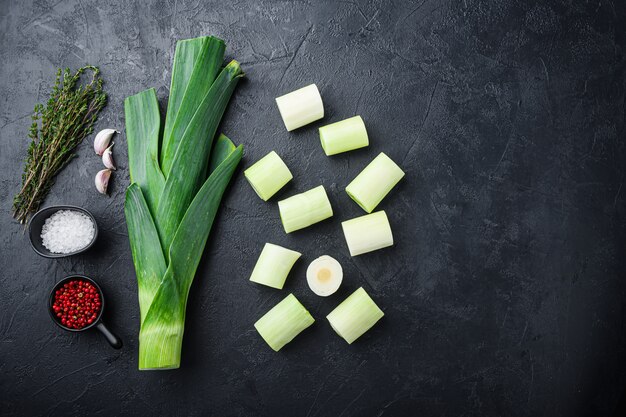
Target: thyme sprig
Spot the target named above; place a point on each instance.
(57, 128)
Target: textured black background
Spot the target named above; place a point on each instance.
(504, 293)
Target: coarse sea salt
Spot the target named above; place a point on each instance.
(67, 231)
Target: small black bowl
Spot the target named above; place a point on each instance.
(37, 222)
(113, 340)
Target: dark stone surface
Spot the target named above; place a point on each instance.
(504, 293)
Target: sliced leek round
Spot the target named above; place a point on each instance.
(324, 276)
(367, 233)
(300, 107)
(355, 316)
(268, 175)
(273, 265)
(346, 135)
(304, 209)
(375, 181)
(283, 322)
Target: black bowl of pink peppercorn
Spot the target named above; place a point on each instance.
(76, 303)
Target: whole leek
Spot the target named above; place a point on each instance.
(177, 183)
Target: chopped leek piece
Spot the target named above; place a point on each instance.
(324, 276)
(300, 107)
(343, 136)
(268, 175)
(355, 316)
(303, 210)
(274, 265)
(283, 322)
(375, 181)
(367, 233)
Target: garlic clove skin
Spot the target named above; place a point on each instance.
(107, 158)
(102, 140)
(102, 180)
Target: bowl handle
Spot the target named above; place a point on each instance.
(113, 340)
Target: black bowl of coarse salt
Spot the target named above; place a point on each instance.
(60, 231)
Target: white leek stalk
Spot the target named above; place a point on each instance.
(300, 107)
(283, 322)
(303, 210)
(268, 175)
(367, 233)
(324, 276)
(273, 265)
(355, 316)
(343, 136)
(375, 181)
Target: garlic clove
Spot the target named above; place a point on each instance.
(102, 180)
(107, 158)
(102, 140)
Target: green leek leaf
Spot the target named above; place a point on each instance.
(143, 123)
(191, 161)
(222, 148)
(180, 111)
(145, 246)
(185, 58)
